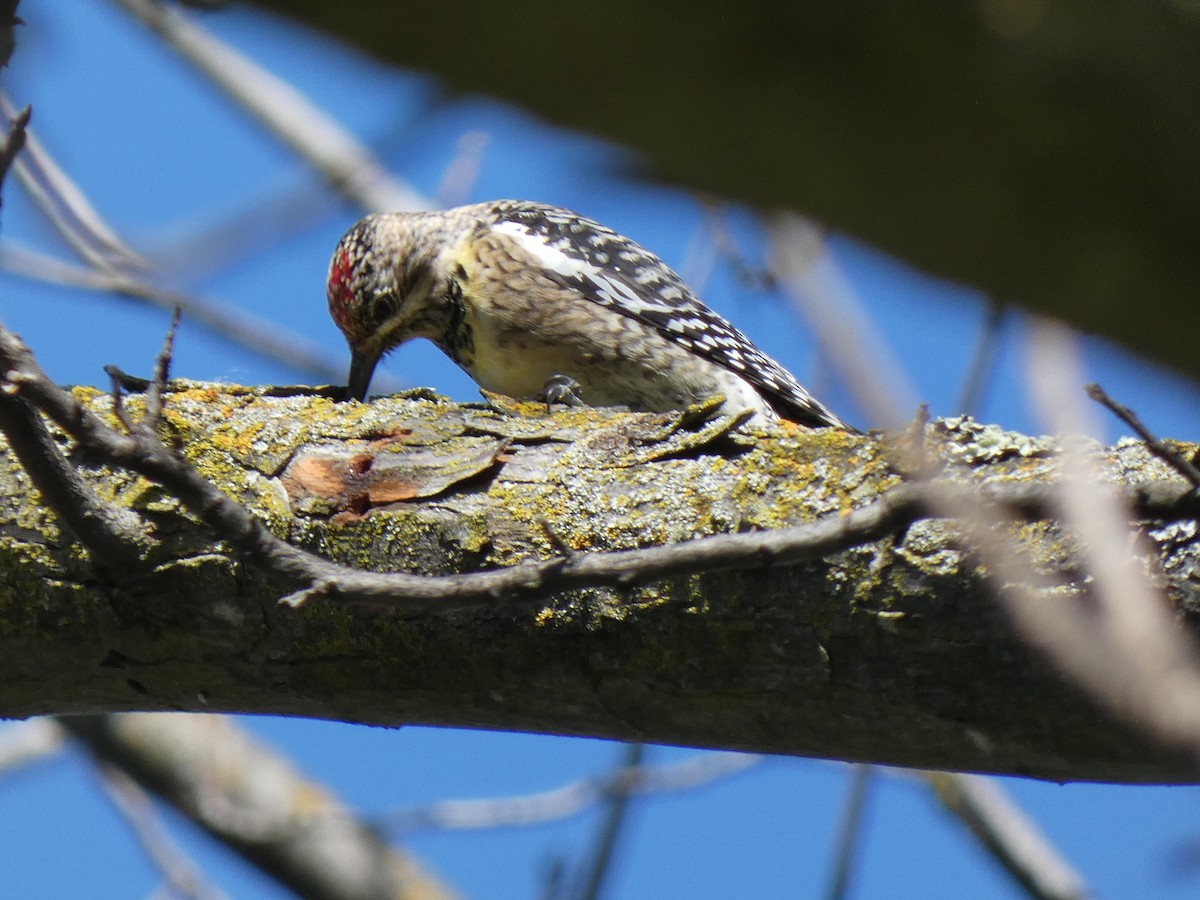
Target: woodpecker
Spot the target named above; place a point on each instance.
(535, 301)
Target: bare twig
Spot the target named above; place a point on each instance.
(699, 257)
(1009, 835)
(22, 743)
(814, 282)
(182, 875)
(463, 171)
(1125, 646)
(162, 372)
(570, 799)
(1154, 685)
(1044, 612)
(610, 829)
(553, 882)
(262, 336)
(255, 222)
(749, 276)
(982, 358)
(348, 166)
(1165, 452)
(116, 381)
(112, 267)
(256, 803)
(66, 206)
(525, 582)
(850, 829)
(14, 142)
(109, 533)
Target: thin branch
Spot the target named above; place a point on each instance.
(610, 830)
(14, 142)
(749, 276)
(814, 282)
(699, 258)
(1125, 646)
(117, 379)
(570, 799)
(530, 581)
(22, 743)
(1155, 687)
(162, 372)
(982, 359)
(1009, 835)
(184, 877)
(255, 222)
(112, 267)
(1166, 453)
(850, 829)
(1142, 668)
(66, 206)
(461, 174)
(553, 881)
(255, 802)
(108, 532)
(261, 336)
(348, 166)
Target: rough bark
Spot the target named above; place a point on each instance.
(892, 652)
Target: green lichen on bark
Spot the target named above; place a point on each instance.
(893, 651)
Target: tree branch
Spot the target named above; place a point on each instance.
(890, 651)
(996, 131)
(256, 803)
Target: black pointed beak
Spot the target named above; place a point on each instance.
(362, 367)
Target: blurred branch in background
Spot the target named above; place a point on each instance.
(350, 169)
(1119, 642)
(594, 871)
(1008, 835)
(1045, 153)
(15, 140)
(183, 878)
(981, 369)
(1116, 638)
(463, 171)
(29, 741)
(66, 207)
(810, 276)
(570, 799)
(1124, 644)
(346, 165)
(109, 266)
(848, 844)
(254, 801)
(261, 336)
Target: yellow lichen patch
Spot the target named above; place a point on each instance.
(239, 439)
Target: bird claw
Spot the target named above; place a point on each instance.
(562, 389)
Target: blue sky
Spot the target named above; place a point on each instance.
(166, 159)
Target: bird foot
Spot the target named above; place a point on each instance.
(562, 389)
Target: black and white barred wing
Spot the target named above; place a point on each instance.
(613, 271)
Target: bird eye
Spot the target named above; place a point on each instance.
(383, 308)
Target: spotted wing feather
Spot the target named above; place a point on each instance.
(616, 273)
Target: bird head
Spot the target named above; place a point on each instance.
(379, 286)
